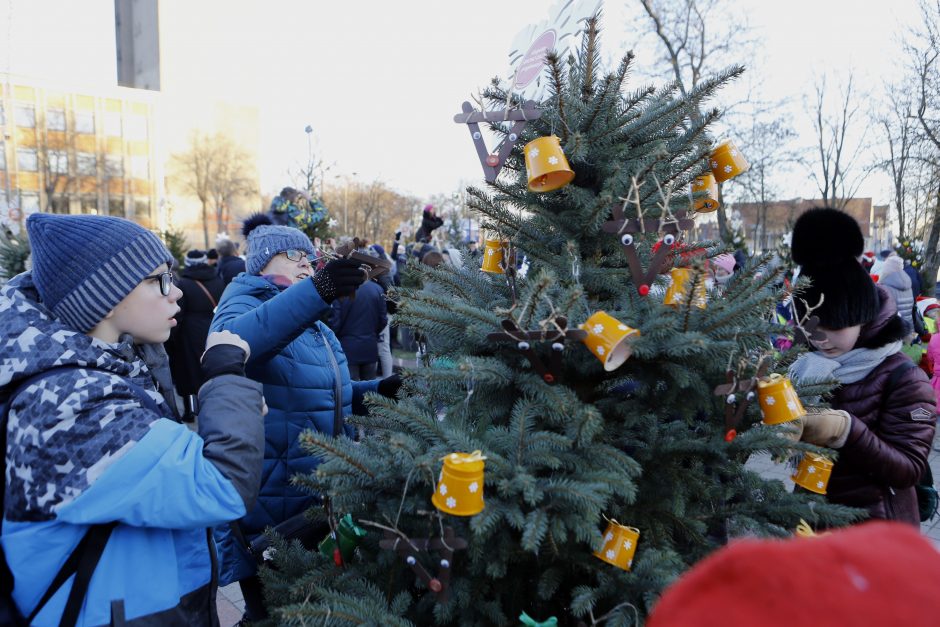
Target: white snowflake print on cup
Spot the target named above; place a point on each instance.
(534, 153)
(473, 487)
(734, 153)
(553, 160)
(608, 537)
(451, 502)
(627, 544)
(443, 489)
(600, 350)
(811, 470)
(714, 164)
(622, 327)
(610, 554)
(791, 405)
(598, 329)
(727, 169)
(769, 400)
(819, 484)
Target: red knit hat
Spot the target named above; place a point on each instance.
(874, 574)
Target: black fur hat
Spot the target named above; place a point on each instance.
(827, 244)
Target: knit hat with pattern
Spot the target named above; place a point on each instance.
(84, 265)
(266, 241)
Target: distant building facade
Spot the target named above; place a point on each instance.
(65, 151)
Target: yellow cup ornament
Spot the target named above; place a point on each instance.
(495, 254)
(813, 473)
(608, 339)
(706, 183)
(460, 487)
(778, 400)
(546, 165)
(678, 291)
(727, 162)
(619, 545)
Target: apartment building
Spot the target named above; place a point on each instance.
(77, 151)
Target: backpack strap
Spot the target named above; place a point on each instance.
(207, 293)
(84, 558)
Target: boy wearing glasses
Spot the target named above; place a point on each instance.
(93, 444)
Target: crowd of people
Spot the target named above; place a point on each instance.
(185, 392)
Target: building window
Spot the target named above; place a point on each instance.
(142, 208)
(60, 204)
(116, 206)
(25, 115)
(90, 205)
(55, 120)
(58, 161)
(112, 123)
(85, 122)
(26, 160)
(140, 167)
(113, 166)
(135, 127)
(29, 202)
(86, 163)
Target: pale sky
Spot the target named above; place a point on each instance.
(380, 81)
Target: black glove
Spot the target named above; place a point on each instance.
(388, 387)
(223, 359)
(338, 278)
(397, 236)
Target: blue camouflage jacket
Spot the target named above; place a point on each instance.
(81, 449)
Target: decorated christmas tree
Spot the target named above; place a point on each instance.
(575, 437)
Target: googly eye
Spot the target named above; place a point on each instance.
(523, 346)
(730, 399)
(410, 560)
(626, 239)
(445, 564)
(750, 396)
(669, 239)
(477, 135)
(558, 346)
(513, 137)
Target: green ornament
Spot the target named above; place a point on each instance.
(349, 534)
(528, 621)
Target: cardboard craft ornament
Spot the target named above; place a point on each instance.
(374, 267)
(746, 389)
(557, 336)
(627, 228)
(493, 162)
(412, 550)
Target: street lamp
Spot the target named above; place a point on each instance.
(346, 203)
(309, 131)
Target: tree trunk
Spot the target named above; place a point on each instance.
(205, 223)
(932, 254)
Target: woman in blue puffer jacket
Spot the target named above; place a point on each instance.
(276, 306)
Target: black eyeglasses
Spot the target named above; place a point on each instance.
(165, 279)
(296, 255)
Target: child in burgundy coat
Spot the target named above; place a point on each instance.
(883, 413)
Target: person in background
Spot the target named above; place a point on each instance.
(898, 285)
(277, 305)
(429, 222)
(721, 269)
(230, 264)
(386, 364)
(212, 257)
(93, 442)
(202, 288)
(358, 323)
(916, 283)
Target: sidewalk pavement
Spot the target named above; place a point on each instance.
(231, 605)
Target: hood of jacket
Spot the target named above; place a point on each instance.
(897, 280)
(887, 327)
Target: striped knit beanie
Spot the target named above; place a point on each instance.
(83, 265)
